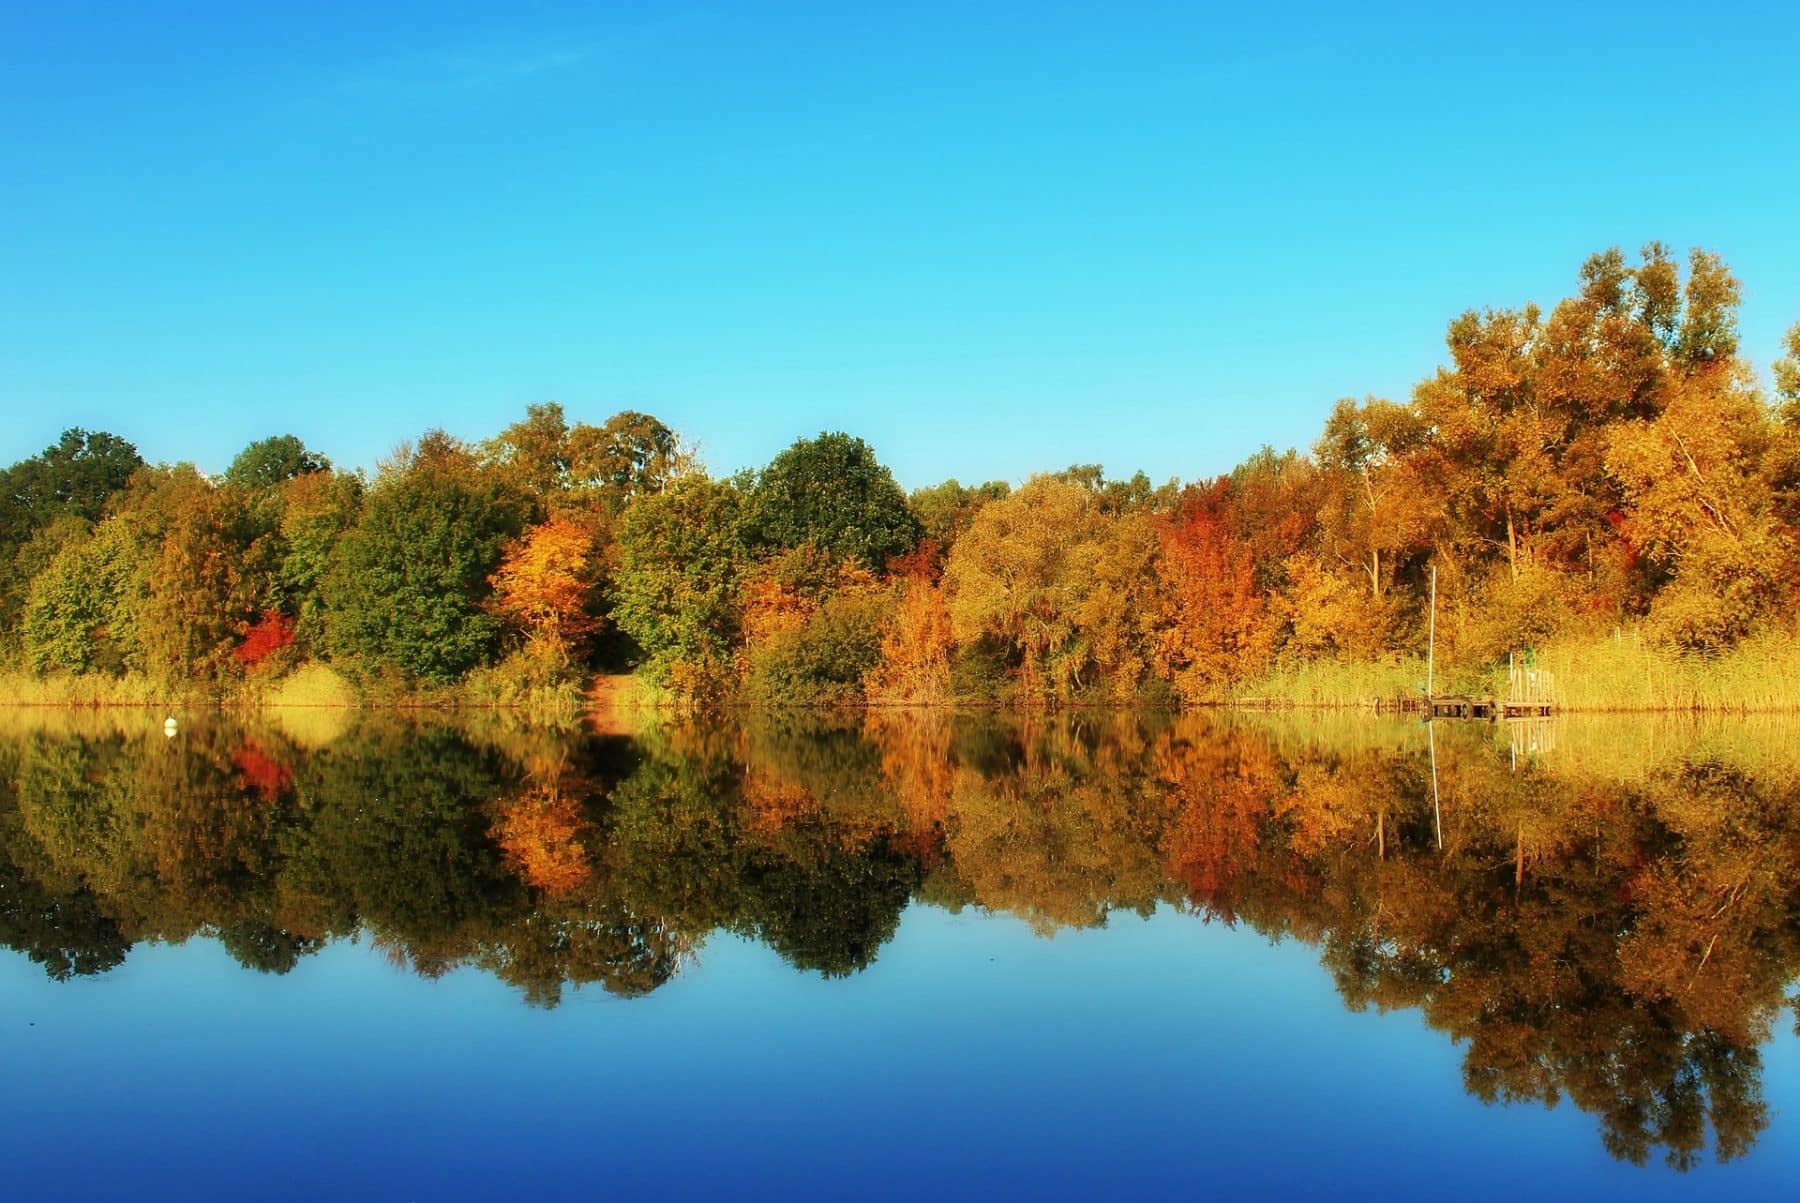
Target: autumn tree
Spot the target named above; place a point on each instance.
(547, 580)
(1217, 629)
(1783, 463)
(917, 646)
(1701, 510)
(1374, 513)
(1036, 573)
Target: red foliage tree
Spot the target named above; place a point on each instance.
(268, 635)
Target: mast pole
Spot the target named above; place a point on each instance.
(1431, 639)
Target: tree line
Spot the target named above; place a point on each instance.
(1612, 463)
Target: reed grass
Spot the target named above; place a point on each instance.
(1624, 672)
(22, 689)
(1335, 684)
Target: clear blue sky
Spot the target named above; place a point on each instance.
(987, 238)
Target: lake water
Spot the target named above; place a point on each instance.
(898, 957)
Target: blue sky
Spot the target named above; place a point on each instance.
(988, 238)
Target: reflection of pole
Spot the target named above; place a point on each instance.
(1437, 816)
(1431, 637)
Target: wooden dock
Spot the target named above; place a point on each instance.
(1531, 693)
(1490, 709)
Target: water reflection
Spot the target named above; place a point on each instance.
(1604, 912)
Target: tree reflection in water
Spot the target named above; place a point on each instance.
(1608, 912)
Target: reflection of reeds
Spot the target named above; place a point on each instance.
(88, 722)
(1596, 673)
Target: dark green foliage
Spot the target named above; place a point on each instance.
(831, 918)
(264, 948)
(408, 582)
(832, 492)
(316, 510)
(66, 933)
(268, 463)
(680, 557)
(74, 476)
(67, 483)
(399, 829)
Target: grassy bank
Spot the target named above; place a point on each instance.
(1619, 672)
(22, 689)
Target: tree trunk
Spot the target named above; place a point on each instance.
(1512, 547)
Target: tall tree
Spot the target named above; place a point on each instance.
(409, 583)
(271, 462)
(630, 455)
(69, 481)
(681, 556)
(832, 492)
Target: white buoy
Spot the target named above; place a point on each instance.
(169, 727)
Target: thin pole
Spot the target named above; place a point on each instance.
(1437, 815)
(1431, 640)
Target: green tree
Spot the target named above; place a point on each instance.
(681, 556)
(832, 492)
(81, 614)
(75, 475)
(409, 583)
(944, 511)
(316, 510)
(69, 481)
(269, 463)
(532, 455)
(632, 454)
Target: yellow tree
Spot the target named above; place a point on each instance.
(547, 579)
(1056, 582)
(1700, 509)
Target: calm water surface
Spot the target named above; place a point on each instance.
(1098, 956)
